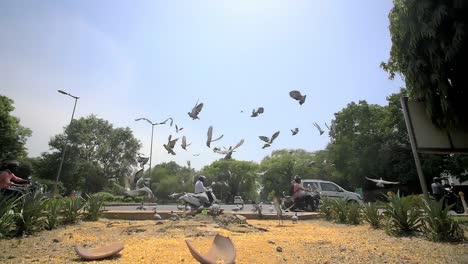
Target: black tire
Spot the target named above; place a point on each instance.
(459, 207)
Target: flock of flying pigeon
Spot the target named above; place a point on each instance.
(227, 152)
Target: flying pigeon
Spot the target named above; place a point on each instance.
(381, 183)
(156, 215)
(312, 162)
(210, 136)
(295, 131)
(195, 111)
(295, 218)
(170, 145)
(261, 173)
(178, 129)
(188, 163)
(328, 127)
(318, 128)
(196, 155)
(228, 152)
(184, 144)
(164, 122)
(268, 140)
(298, 96)
(255, 113)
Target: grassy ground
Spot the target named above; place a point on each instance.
(313, 241)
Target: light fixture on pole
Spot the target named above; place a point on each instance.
(66, 141)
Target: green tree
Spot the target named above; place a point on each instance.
(13, 136)
(170, 177)
(429, 40)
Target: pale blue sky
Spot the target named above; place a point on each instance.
(154, 59)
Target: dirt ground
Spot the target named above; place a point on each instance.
(311, 241)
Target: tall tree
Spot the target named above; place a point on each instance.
(429, 50)
(13, 136)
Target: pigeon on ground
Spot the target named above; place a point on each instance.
(178, 129)
(195, 111)
(156, 215)
(319, 128)
(170, 145)
(141, 207)
(184, 144)
(228, 152)
(180, 207)
(295, 218)
(174, 215)
(236, 209)
(210, 137)
(255, 113)
(381, 183)
(298, 96)
(268, 140)
(261, 173)
(295, 131)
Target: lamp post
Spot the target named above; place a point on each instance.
(152, 130)
(66, 141)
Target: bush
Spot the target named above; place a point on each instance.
(72, 209)
(53, 209)
(105, 196)
(340, 211)
(402, 217)
(353, 210)
(7, 215)
(93, 207)
(30, 215)
(437, 225)
(326, 208)
(370, 214)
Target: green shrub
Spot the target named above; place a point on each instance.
(7, 215)
(326, 208)
(402, 217)
(105, 196)
(30, 215)
(93, 207)
(437, 225)
(370, 214)
(53, 209)
(340, 211)
(72, 209)
(353, 210)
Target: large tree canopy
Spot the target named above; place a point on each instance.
(430, 51)
(13, 136)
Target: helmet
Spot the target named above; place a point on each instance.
(11, 165)
(436, 179)
(297, 179)
(202, 178)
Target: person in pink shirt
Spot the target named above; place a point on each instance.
(8, 177)
(297, 189)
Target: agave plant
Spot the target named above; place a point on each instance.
(326, 208)
(402, 217)
(353, 216)
(437, 225)
(7, 215)
(30, 215)
(340, 211)
(370, 214)
(53, 208)
(93, 207)
(72, 209)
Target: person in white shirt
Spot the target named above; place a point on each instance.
(200, 188)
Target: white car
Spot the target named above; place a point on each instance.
(331, 190)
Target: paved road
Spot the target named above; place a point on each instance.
(173, 207)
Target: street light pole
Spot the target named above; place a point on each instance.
(66, 141)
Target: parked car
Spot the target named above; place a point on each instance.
(238, 200)
(331, 190)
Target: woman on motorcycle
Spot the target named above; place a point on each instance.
(8, 177)
(298, 190)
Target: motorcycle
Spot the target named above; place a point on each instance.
(451, 198)
(310, 202)
(196, 201)
(18, 191)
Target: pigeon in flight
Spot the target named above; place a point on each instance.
(268, 140)
(170, 145)
(178, 129)
(255, 113)
(210, 136)
(188, 163)
(195, 111)
(298, 96)
(228, 152)
(295, 131)
(261, 173)
(312, 162)
(381, 183)
(164, 122)
(184, 144)
(328, 127)
(196, 155)
(318, 128)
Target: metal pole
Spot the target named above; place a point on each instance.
(422, 180)
(151, 148)
(64, 149)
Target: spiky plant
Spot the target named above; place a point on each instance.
(30, 215)
(72, 209)
(402, 217)
(340, 211)
(326, 208)
(353, 213)
(7, 214)
(93, 207)
(53, 209)
(370, 214)
(437, 225)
